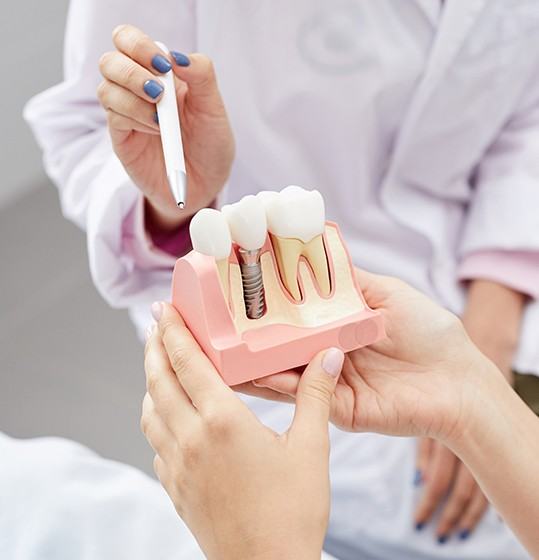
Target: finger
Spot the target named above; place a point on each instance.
(262, 393)
(286, 383)
(424, 446)
(120, 100)
(117, 68)
(473, 514)
(198, 72)
(441, 473)
(156, 431)
(122, 124)
(167, 394)
(138, 46)
(315, 390)
(461, 494)
(196, 374)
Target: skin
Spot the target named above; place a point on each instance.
(426, 379)
(209, 151)
(213, 453)
(446, 482)
(206, 133)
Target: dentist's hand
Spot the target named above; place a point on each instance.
(129, 93)
(243, 490)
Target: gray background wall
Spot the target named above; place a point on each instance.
(69, 365)
(32, 33)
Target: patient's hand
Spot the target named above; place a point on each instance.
(243, 490)
(420, 381)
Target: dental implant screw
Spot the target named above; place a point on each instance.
(253, 283)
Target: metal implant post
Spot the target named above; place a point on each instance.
(253, 283)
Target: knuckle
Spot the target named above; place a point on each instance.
(144, 423)
(104, 61)
(153, 382)
(102, 92)
(318, 390)
(120, 31)
(180, 359)
(130, 72)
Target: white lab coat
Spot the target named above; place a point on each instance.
(462, 175)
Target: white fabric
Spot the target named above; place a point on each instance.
(390, 121)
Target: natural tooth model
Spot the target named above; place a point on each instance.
(210, 236)
(296, 222)
(247, 223)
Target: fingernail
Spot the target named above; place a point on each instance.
(157, 310)
(464, 534)
(442, 539)
(161, 64)
(153, 88)
(418, 479)
(332, 362)
(419, 526)
(156, 117)
(180, 59)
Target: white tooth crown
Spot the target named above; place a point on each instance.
(247, 222)
(210, 234)
(294, 213)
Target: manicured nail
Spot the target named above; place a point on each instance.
(442, 539)
(332, 362)
(161, 64)
(419, 526)
(157, 310)
(464, 534)
(180, 59)
(153, 88)
(418, 479)
(156, 117)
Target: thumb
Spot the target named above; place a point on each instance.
(315, 389)
(197, 71)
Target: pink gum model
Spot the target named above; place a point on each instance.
(198, 296)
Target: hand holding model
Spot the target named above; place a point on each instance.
(427, 378)
(130, 91)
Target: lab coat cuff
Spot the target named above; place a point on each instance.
(518, 270)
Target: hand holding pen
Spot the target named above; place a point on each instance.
(133, 85)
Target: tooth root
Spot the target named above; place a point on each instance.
(223, 270)
(315, 253)
(287, 252)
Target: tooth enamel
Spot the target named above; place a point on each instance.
(295, 213)
(210, 236)
(247, 222)
(296, 221)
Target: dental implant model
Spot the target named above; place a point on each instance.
(269, 284)
(247, 222)
(210, 236)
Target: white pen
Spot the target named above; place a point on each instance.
(171, 137)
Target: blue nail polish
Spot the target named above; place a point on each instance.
(419, 526)
(153, 89)
(156, 117)
(161, 64)
(442, 539)
(181, 59)
(464, 534)
(418, 479)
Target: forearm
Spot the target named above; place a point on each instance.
(500, 445)
(492, 319)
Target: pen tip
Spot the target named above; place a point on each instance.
(181, 205)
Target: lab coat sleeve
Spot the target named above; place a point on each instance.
(501, 235)
(70, 126)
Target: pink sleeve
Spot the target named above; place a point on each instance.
(152, 251)
(518, 270)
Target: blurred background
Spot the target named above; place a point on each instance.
(70, 366)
